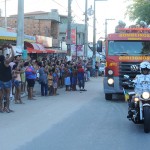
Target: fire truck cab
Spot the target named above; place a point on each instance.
(124, 52)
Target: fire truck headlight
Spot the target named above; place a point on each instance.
(110, 72)
(145, 95)
(110, 81)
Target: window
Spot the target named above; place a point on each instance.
(129, 48)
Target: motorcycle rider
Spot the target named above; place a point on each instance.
(141, 82)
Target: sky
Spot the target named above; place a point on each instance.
(110, 9)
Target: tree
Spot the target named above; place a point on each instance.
(139, 10)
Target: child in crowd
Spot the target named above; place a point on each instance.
(67, 80)
(23, 80)
(55, 81)
(50, 83)
(17, 83)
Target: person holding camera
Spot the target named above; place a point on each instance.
(5, 80)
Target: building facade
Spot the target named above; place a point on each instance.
(38, 23)
(48, 24)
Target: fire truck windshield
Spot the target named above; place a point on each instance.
(134, 48)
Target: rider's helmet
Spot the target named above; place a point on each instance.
(145, 67)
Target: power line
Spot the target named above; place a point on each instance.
(79, 6)
(75, 15)
(60, 5)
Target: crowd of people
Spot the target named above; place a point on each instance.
(18, 77)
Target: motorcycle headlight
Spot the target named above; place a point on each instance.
(110, 81)
(145, 95)
(136, 99)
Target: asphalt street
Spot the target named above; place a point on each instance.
(71, 121)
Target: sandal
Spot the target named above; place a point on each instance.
(8, 110)
(17, 102)
(21, 102)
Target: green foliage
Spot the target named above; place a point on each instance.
(139, 10)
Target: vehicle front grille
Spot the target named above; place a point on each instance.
(128, 68)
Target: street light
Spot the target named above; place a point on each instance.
(94, 33)
(106, 26)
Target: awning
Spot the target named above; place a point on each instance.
(35, 46)
(5, 35)
(39, 48)
(50, 51)
(12, 36)
(7, 38)
(31, 50)
(55, 51)
(60, 52)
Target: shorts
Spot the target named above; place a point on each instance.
(55, 85)
(17, 83)
(31, 82)
(5, 85)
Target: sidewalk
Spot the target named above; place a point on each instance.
(37, 93)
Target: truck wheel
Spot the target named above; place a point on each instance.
(146, 119)
(108, 96)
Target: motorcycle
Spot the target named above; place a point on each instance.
(139, 105)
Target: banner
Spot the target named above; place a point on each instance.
(73, 36)
(77, 50)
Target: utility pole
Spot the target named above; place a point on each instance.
(5, 15)
(86, 30)
(20, 25)
(94, 34)
(94, 37)
(76, 43)
(69, 41)
(106, 27)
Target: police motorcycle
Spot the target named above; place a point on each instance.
(139, 99)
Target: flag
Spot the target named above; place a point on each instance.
(126, 95)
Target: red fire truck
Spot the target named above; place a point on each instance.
(124, 52)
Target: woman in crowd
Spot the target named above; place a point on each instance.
(5, 80)
(30, 77)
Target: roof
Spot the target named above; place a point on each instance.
(31, 13)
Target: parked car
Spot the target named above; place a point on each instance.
(102, 69)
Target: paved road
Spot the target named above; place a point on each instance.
(72, 121)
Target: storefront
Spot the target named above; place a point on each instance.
(31, 44)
